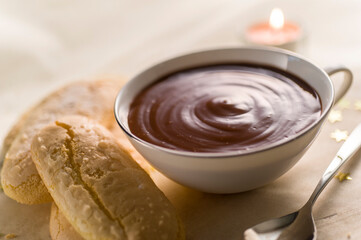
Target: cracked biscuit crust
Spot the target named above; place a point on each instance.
(93, 99)
(99, 188)
(60, 228)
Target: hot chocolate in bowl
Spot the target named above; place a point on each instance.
(227, 120)
(223, 108)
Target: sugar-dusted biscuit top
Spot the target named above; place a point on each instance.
(99, 188)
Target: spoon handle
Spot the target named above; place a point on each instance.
(351, 145)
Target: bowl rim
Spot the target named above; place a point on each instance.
(324, 113)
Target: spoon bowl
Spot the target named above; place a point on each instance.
(300, 225)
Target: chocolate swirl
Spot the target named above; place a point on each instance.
(223, 108)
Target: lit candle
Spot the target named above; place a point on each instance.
(276, 32)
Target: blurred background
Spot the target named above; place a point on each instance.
(46, 43)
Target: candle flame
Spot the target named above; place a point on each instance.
(276, 19)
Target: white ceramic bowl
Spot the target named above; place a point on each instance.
(231, 172)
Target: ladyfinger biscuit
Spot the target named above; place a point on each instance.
(100, 189)
(19, 177)
(9, 138)
(60, 228)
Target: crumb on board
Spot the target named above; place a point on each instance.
(339, 135)
(348, 236)
(343, 176)
(10, 236)
(335, 116)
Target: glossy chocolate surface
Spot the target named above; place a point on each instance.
(223, 108)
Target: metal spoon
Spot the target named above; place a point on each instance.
(300, 225)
